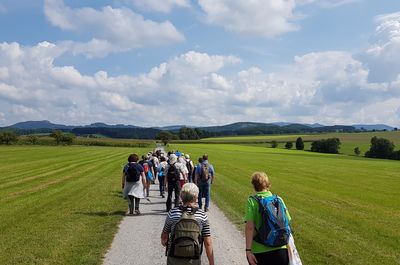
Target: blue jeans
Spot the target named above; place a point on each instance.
(204, 192)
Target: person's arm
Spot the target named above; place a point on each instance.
(143, 180)
(209, 249)
(164, 239)
(249, 231)
(123, 180)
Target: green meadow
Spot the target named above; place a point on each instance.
(59, 205)
(345, 209)
(62, 205)
(349, 140)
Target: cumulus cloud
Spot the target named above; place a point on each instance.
(383, 55)
(328, 3)
(331, 87)
(260, 18)
(110, 29)
(164, 6)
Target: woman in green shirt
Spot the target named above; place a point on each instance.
(257, 253)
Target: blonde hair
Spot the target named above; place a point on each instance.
(260, 181)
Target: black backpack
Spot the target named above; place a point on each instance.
(132, 173)
(186, 241)
(172, 173)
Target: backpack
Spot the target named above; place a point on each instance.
(275, 230)
(189, 166)
(132, 173)
(186, 238)
(172, 173)
(146, 167)
(204, 172)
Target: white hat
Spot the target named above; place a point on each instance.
(187, 156)
(173, 158)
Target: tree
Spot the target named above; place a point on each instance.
(166, 137)
(380, 148)
(299, 144)
(8, 137)
(357, 151)
(62, 138)
(188, 134)
(289, 145)
(32, 139)
(57, 134)
(274, 144)
(331, 145)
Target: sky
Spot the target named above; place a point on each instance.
(200, 62)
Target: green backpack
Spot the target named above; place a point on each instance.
(186, 238)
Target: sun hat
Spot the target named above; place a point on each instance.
(173, 158)
(187, 156)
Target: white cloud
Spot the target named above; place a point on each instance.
(164, 6)
(260, 18)
(110, 29)
(383, 55)
(327, 3)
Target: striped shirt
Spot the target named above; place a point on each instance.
(175, 214)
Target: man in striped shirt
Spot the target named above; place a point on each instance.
(189, 195)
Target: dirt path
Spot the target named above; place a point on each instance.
(138, 239)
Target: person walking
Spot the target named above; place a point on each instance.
(173, 172)
(133, 184)
(204, 177)
(180, 230)
(256, 252)
(161, 175)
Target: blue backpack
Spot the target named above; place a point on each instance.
(275, 229)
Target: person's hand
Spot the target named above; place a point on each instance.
(251, 258)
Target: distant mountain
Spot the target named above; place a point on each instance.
(33, 125)
(104, 125)
(370, 127)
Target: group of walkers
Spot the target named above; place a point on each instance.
(187, 229)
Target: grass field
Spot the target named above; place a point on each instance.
(349, 140)
(345, 209)
(59, 205)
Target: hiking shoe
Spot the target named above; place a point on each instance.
(137, 212)
(147, 198)
(206, 209)
(162, 196)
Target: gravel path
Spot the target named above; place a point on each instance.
(138, 239)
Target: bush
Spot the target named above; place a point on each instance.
(274, 144)
(299, 144)
(32, 139)
(8, 137)
(331, 145)
(289, 145)
(357, 151)
(62, 138)
(380, 148)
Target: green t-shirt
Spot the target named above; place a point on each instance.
(253, 214)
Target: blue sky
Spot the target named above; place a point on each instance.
(203, 62)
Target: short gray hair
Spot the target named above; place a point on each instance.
(189, 192)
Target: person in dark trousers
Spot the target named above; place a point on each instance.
(172, 180)
(204, 177)
(257, 253)
(161, 174)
